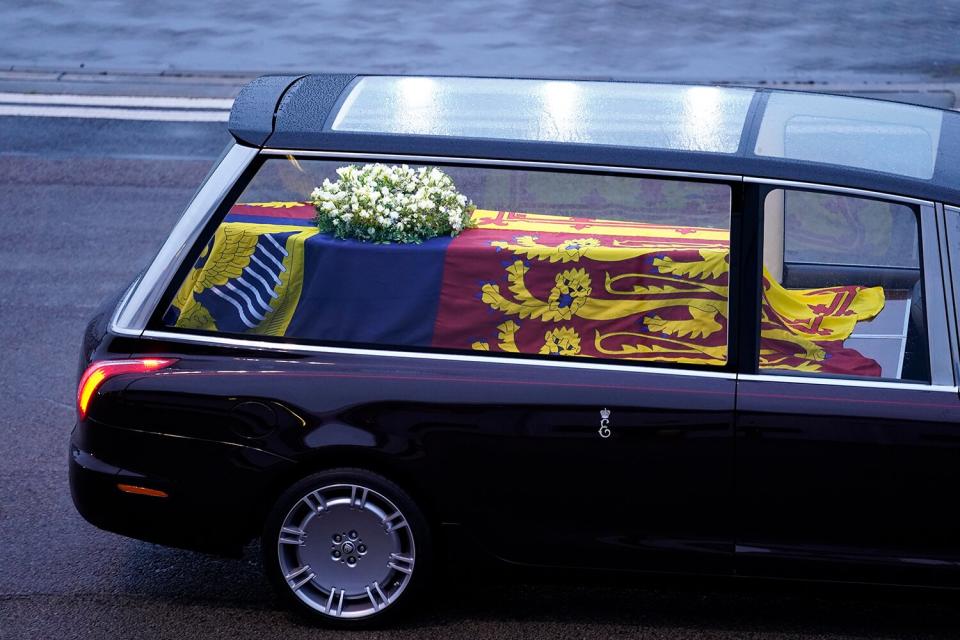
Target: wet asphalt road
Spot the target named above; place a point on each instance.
(82, 207)
(742, 40)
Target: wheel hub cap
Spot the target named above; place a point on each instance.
(346, 551)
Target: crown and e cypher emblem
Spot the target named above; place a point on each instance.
(604, 423)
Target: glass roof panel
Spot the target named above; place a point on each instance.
(867, 134)
(621, 114)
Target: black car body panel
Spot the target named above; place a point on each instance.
(836, 481)
(496, 432)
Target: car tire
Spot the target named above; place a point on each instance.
(346, 548)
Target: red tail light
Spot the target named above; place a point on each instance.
(101, 371)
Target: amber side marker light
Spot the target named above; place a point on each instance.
(142, 491)
(102, 370)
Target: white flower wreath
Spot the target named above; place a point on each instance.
(382, 203)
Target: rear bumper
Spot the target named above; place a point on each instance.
(217, 493)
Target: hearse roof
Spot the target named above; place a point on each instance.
(811, 137)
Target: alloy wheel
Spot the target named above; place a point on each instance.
(346, 551)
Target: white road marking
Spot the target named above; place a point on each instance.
(159, 108)
(111, 113)
(158, 102)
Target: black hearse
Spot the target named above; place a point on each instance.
(603, 325)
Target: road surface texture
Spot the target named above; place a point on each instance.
(744, 40)
(84, 204)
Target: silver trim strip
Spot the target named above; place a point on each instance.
(134, 314)
(935, 302)
(501, 163)
(421, 355)
(948, 255)
(877, 384)
(114, 326)
(846, 190)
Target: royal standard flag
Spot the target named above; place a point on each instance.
(515, 283)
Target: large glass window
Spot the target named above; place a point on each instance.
(623, 114)
(868, 134)
(849, 270)
(548, 263)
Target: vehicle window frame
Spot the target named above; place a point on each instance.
(935, 302)
(138, 304)
(932, 289)
(155, 324)
(950, 246)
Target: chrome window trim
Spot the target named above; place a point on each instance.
(842, 382)
(816, 186)
(242, 343)
(423, 355)
(593, 168)
(115, 326)
(935, 302)
(132, 316)
(948, 255)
